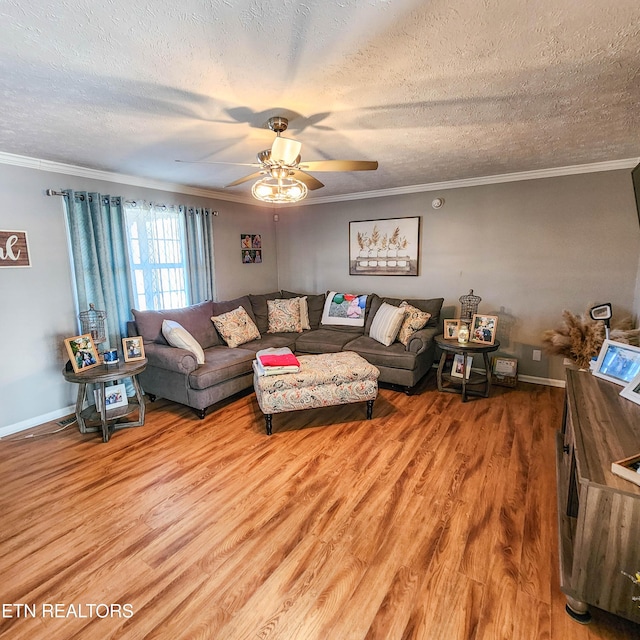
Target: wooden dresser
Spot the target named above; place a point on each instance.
(598, 512)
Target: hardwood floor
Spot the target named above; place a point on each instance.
(436, 520)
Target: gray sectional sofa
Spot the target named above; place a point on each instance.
(174, 374)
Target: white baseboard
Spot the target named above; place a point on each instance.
(549, 382)
(36, 421)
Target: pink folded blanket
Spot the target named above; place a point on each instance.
(282, 360)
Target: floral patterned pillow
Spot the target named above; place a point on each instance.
(236, 327)
(414, 320)
(284, 316)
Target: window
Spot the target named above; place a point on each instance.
(157, 256)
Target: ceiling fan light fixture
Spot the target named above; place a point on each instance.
(279, 190)
(285, 150)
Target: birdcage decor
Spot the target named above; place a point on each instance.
(469, 306)
(92, 322)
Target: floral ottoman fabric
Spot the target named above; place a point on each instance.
(323, 380)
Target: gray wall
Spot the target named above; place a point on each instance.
(37, 307)
(530, 249)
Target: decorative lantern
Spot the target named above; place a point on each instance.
(92, 322)
(469, 306)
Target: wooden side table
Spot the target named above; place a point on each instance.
(106, 420)
(461, 385)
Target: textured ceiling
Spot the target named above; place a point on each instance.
(434, 90)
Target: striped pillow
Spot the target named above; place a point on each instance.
(386, 323)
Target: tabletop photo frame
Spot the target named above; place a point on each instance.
(483, 329)
(133, 348)
(451, 328)
(82, 352)
(632, 390)
(617, 362)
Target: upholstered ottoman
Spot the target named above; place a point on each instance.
(323, 380)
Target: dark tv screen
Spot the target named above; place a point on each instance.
(635, 176)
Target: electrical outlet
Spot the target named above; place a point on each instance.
(537, 355)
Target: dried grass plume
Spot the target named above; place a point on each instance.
(581, 337)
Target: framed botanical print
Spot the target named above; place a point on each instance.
(388, 247)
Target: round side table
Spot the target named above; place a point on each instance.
(465, 384)
(106, 420)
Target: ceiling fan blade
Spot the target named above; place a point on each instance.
(285, 150)
(235, 164)
(340, 165)
(252, 176)
(311, 182)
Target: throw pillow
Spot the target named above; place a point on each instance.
(414, 320)
(284, 316)
(177, 336)
(344, 309)
(386, 324)
(236, 327)
(304, 313)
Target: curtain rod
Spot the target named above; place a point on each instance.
(53, 192)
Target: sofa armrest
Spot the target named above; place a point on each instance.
(421, 340)
(171, 358)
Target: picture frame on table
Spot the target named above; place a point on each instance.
(451, 328)
(483, 329)
(456, 367)
(632, 390)
(617, 362)
(133, 348)
(629, 468)
(116, 397)
(82, 352)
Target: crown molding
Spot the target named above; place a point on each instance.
(148, 183)
(120, 178)
(612, 165)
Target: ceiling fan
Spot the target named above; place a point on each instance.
(282, 176)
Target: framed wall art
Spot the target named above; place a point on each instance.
(483, 329)
(384, 247)
(617, 362)
(251, 247)
(82, 352)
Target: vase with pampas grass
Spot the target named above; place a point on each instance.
(581, 338)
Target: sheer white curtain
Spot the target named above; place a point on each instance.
(171, 254)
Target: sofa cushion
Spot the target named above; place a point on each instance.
(259, 308)
(195, 319)
(284, 315)
(373, 303)
(315, 306)
(387, 323)
(236, 327)
(230, 305)
(395, 355)
(430, 305)
(221, 364)
(414, 320)
(322, 341)
(275, 340)
(177, 336)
